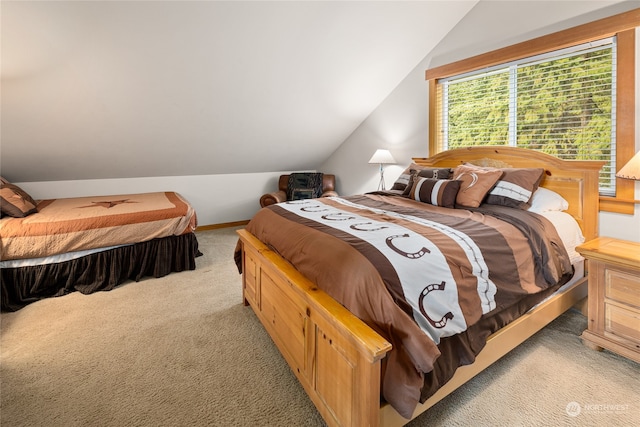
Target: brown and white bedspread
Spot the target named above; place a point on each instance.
(414, 272)
(84, 223)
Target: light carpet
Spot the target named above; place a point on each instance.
(183, 351)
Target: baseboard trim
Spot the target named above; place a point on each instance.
(222, 225)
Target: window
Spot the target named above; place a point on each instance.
(525, 95)
(561, 103)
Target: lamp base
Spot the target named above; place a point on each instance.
(381, 183)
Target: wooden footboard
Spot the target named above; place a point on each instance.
(335, 355)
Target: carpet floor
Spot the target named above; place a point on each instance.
(183, 351)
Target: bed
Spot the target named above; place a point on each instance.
(88, 244)
(356, 347)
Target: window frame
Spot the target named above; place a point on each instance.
(623, 27)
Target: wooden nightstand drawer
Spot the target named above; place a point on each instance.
(622, 322)
(614, 296)
(622, 286)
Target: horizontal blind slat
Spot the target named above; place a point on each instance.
(564, 105)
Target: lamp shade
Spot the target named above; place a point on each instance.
(632, 169)
(382, 157)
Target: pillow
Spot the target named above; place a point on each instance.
(2, 181)
(476, 183)
(515, 187)
(435, 173)
(437, 192)
(15, 202)
(402, 182)
(545, 200)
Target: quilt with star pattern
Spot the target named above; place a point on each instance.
(85, 223)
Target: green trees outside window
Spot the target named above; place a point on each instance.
(562, 104)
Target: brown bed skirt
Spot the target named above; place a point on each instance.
(101, 271)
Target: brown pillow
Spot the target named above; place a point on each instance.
(403, 182)
(435, 173)
(15, 202)
(516, 187)
(437, 192)
(476, 183)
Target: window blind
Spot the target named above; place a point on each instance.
(561, 103)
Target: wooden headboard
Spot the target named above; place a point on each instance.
(575, 180)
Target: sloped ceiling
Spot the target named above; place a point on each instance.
(101, 89)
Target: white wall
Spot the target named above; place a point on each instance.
(217, 199)
(400, 123)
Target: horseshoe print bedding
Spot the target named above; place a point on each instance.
(426, 278)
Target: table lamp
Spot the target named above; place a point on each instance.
(382, 157)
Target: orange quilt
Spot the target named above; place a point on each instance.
(83, 223)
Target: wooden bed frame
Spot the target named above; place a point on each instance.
(337, 357)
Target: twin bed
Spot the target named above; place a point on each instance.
(384, 303)
(88, 244)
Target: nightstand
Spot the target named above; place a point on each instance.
(614, 296)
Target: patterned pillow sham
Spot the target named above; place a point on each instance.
(434, 173)
(476, 183)
(15, 202)
(437, 192)
(516, 187)
(403, 182)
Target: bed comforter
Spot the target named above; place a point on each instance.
(85, 223)
(424, 277)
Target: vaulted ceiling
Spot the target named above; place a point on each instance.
(103, 89)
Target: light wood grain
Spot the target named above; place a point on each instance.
(614, 296)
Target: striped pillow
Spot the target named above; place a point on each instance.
(404, 183)
(435, 173)
(437, 192)
(516, 187)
